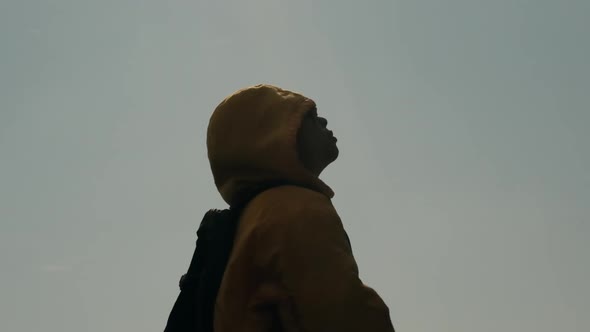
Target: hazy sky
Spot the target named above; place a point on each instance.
(463, 126)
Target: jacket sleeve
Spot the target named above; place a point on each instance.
(320, 274)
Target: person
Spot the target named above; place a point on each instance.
(291, 267)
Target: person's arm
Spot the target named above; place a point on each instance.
(319, 272)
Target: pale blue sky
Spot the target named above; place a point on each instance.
(463, 179)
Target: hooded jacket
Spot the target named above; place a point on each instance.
(291, 267)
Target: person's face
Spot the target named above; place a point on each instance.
(316, 144)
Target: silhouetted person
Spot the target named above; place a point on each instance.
(291, 267)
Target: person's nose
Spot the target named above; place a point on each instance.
(323, 121)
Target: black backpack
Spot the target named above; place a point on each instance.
(194, 308)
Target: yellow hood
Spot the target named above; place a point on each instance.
(252, 142)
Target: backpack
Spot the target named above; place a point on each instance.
(195, 305)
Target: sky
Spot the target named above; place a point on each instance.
(463, 179)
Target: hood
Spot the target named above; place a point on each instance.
(252, 142)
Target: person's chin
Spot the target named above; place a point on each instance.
(335, 152)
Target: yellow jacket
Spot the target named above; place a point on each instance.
(291, 268)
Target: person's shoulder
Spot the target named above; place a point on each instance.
(295, 196)
(294, 203)
(290, 189)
